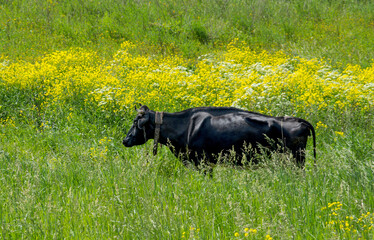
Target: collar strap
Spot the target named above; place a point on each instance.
(158, 121)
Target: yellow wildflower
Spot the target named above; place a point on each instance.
(339, 133)
(267, 237)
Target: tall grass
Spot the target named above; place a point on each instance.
(337, 30)
(65, 174)
(53, 187)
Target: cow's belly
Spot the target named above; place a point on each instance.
(216, 142)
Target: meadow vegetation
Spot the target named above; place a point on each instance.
(341, 31)
(71, 72)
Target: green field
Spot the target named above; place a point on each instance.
(71, 72)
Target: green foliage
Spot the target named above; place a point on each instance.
(337, 30)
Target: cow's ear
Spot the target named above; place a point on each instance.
(140, 105)
(142, 121)
(144, 108)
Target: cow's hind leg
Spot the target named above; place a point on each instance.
(299, 156)
(297, 148)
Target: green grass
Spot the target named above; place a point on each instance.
(52, 187)
(341, 31)
(75, 180)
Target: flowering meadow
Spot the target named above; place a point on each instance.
(271, 83)
(72, 71)
(65, 174)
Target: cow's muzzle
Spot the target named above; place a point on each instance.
(126, 142)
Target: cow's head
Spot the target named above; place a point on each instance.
(140, 130)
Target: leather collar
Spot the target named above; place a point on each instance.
(158, 121)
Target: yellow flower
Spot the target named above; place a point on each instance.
(252, 230)
(339, 133)
(320, 125)
(267, 237)
(236, 234)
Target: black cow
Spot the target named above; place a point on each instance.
(207, 132)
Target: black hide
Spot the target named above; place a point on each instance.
(206, 132)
